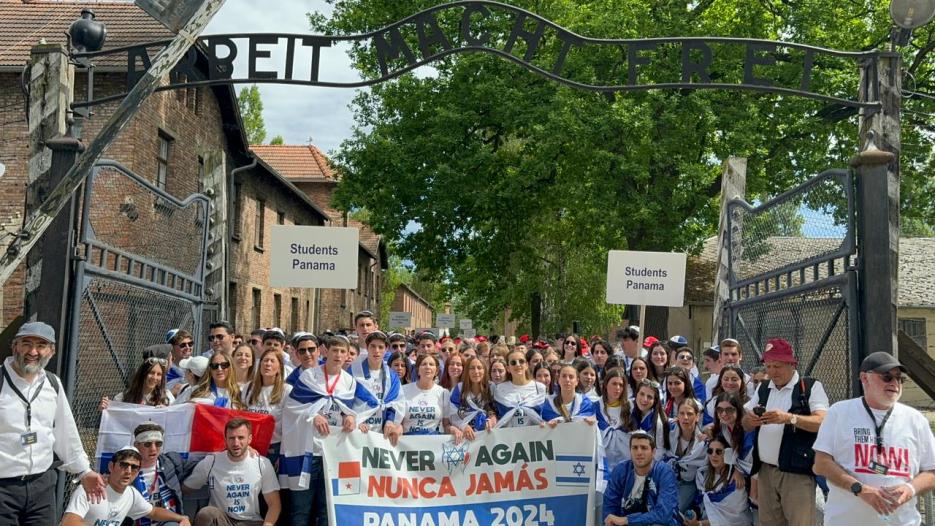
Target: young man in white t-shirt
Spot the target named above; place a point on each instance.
(236, 479)
(121, 500)
(876, 453)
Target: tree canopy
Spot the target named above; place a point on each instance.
(251, 111)
(518, 186)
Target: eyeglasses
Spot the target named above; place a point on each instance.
(726, 410)
(517, 361)
(151, 444)
(152, 359)
(128, 465)
(307, 350)
(715, 451)
(889, 377)
(223, 365)
(216, 337)
(185, 344)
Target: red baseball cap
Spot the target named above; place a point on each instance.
(779, 350)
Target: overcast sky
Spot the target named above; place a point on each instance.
(295, 112)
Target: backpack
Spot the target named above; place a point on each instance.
(56, 383)
(796, 453)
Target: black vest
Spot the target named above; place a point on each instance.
(796, 453)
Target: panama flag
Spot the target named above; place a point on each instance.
(193, 430)
(348, 481)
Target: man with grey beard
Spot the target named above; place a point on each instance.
(36, 423)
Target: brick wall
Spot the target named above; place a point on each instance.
(250, 261)
(14, 152)
(405, 301)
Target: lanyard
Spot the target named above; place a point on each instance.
(26, 403)
(334, 384)
(877, 428)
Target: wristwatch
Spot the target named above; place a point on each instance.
(793, 419)
(856, 488)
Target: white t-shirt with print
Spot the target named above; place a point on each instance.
(848, 435)
(265, 407)
(112, 509)
(235, 486)
(424, 408)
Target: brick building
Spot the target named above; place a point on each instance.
(408, 300)
(308, 169)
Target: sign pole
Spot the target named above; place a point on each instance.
(642, 323)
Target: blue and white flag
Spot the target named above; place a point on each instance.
(391, 407)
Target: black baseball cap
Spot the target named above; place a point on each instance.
(880, 362)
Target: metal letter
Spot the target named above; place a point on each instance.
(466, 35)
(187, 67)
(807, 69)
(134, 55)
(317, 43)
(255, 53)
(690, 69)
(433, 36)
(754, 59)
(634, 59)
(532, 38)
(391, 50)
(220, 68)
(568, 40)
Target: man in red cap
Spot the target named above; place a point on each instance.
(786, 414)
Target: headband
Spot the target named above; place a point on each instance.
(148, 436)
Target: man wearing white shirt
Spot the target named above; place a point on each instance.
(35, 423)
(237, 479)
(876, 453)
(121, 499)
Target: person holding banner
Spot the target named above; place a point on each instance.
(641, 491)
(614, 417)
(147, 387)
(519, 399)
(266, 394)
(399, 363)
(243, 365)
(380, 404)
(426, 401)
(648, 415)
(568, 404)
(121, 499)
(218, 387)
(161, 474)
(323, 395)
(471, 401)
(236, 479)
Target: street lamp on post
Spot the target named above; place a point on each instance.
(908, 15)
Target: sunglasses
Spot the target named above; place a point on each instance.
(217, 366)
(686, 357)
(161, 361)
(571, 342)
(307, 350)
(151, 444)
(186, 344)
(727, 410)
(216, 337)
(128, 465)
(515, 362)
(889, 377)
(397, 345)
(715, 451)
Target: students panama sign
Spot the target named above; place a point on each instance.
(646, 278)
(313, 257)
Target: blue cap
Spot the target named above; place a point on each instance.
(37, 329)
(678, 341)
(171, 334)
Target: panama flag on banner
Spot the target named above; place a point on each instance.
(348, 481)
(193, 430)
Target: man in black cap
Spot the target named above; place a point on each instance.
(876, 453)
(36, 423)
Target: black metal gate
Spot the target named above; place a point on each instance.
(140, 272)
(793, 274)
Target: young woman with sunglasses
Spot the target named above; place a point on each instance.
(678, 388)
(471, 401)
(727, 427)
(648, 415)
(687, 450)
(723, 501)
(148, 386)
(218, 387)
(267, 393)
(519, 400)
(587, 379)
(454, 371)
(614, 417)
(571, 348)
(243, 365)
(426, 401)
(568, 405)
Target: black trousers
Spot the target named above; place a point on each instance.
(29, 501)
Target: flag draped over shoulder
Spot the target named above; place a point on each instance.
(392, 407)
(190, 429)
(300, 440)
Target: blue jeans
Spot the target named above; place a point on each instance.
(313, 498)
(687, 491)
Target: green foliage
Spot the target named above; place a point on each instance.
(251, 111)
(277, 140)
(520, 185)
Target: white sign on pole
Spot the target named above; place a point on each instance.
(465, 323)
(313, 257)
(400, 320)
(468, 333)
(646, 278)
(445, 321)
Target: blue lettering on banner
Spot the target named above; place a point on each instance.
(547, 511)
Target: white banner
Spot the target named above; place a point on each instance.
(525, 476)
(317, 257)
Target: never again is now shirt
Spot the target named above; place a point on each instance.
(235, 486)
(425, 409)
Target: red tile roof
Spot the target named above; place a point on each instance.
(296, 161)
(25, 22)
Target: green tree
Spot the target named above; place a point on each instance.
(251, 111)
(277, 140)
(519, 185)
